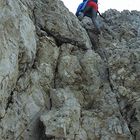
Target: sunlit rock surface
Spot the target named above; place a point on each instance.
(59, 80)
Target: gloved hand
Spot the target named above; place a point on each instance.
(80, 16)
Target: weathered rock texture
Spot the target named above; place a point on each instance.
(61, 81)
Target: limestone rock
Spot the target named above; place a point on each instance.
(60, 80)
(122, 55)
(55, 19)
(65, 121)
(18, 45)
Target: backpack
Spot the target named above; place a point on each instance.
(81, 7)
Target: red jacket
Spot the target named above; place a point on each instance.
(93, 4)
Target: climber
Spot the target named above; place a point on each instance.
(89, 8)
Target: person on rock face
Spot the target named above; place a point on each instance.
(89, 8)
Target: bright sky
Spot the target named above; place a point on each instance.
(107, 4)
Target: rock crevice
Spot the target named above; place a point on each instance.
(60, 80)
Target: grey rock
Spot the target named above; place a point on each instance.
(55, 19)
(60, 80)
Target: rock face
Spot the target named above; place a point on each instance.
(59, 80)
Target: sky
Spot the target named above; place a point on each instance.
(106, 4)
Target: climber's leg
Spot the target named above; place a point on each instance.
(94, 20)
